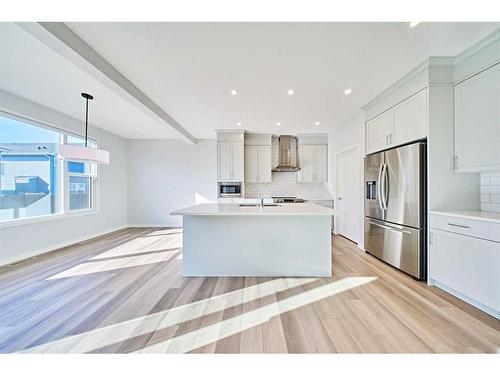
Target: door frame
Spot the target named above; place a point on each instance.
(337, 182)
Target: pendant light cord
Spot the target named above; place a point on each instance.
(86, 119)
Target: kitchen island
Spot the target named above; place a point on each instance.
(280, 240)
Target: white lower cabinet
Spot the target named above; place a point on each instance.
(467, 267)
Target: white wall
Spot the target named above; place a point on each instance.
(165, 175)
(22, 241)
(343, 137)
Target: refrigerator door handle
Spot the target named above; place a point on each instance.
(386, 186)
(388, 227)
(379, 188)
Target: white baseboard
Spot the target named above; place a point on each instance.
(59, 245)
(153, 226)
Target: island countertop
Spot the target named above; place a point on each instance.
(283, 209)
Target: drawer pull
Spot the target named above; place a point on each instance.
(459, 226)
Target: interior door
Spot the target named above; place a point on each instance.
(348, 194)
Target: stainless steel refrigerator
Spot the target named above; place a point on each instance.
(395, 206)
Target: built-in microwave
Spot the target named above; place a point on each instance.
(229, 189)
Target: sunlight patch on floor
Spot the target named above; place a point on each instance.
(217, 331)
(115, 264)
(144, 245)
(112, 334)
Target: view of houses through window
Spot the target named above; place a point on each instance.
(33, 180)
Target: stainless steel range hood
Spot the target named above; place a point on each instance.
(287, 154)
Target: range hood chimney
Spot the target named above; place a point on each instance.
(287, 154)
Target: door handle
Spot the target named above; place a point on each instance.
(379, 188)
(459, 226)
(389, 228)
(386, 139)
(386, 186)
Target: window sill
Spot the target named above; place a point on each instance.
(42, 219)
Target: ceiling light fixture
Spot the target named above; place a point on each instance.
(414, 23)
(348, 91)
(238, 123)
(291, 92)
(316, 123)
(84, 153)
(234, 92)
(278, 123)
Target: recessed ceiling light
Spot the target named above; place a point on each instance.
(348, 91)
(278, 123)
(414, 23)
(234, 92)
(238, 123)
(291, 92)
(316, 123)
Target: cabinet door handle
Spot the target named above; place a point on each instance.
(387, 139)
(390, 138)
(459, 226)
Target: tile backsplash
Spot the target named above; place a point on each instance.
(490, 192)
(285, 184)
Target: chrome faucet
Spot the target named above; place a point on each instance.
(261, 201)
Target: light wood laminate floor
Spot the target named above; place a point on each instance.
(124, 292)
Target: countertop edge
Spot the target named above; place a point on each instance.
(472, 215)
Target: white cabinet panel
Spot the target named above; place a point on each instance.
(313, 161)
(320, 163)
(378, 130)
(405, 122)
(264, 162)
(495, 278)
(409, 120)
(306, 160)
(230, 161)
(462, 263)
(258, 163)
(224, 161)
(237, 158)
(251, 164)
(477, 122)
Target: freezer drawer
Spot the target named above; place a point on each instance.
(397, 245)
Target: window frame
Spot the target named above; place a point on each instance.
(63, 176)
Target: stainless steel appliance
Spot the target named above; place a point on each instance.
(395, 207)
(288, 200)
(229, 190)
(287, 158)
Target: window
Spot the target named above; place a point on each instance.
(34, 182)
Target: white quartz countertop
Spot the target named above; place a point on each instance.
(475, 215)
(230, 209)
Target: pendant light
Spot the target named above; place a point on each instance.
(84, 153)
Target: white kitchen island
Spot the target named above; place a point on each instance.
(291, 239)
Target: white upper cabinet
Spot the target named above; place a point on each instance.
(405, 122)
(378, 130)
(313, 160)
(409, 121)
(230, 161)
(258, 163)
(477, 122)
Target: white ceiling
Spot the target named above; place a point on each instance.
(188, 69)
(30, 69)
